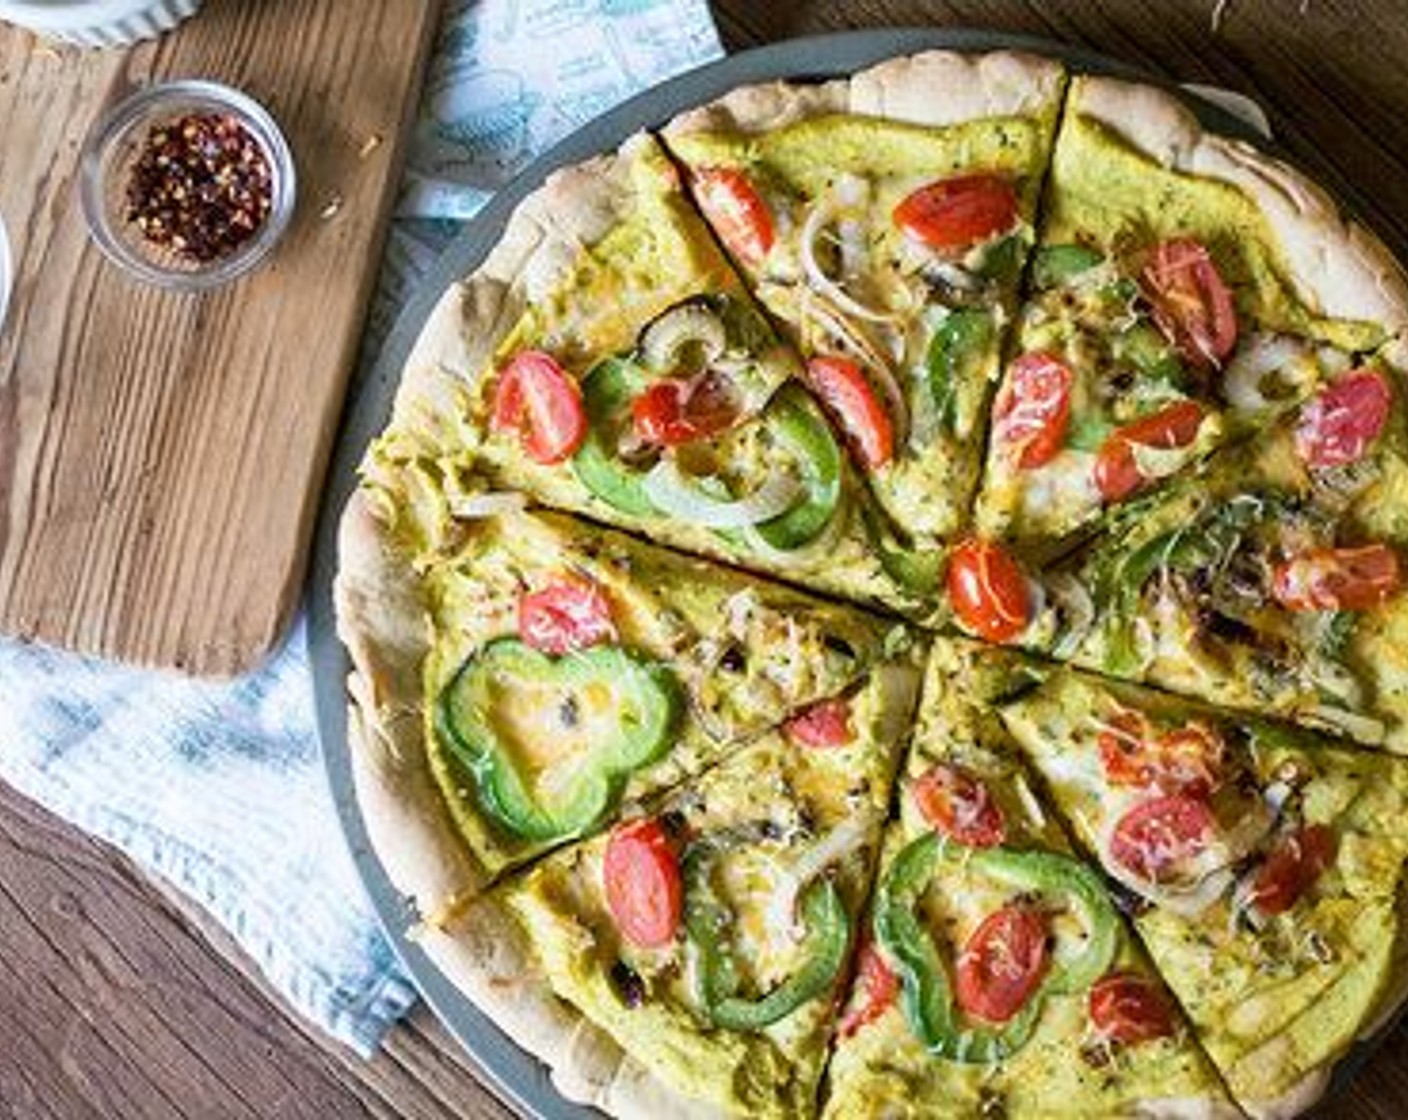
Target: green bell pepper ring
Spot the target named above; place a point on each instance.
(927, 998)
(796, 423)
(607, 392)
(1055, 265)
(647, 703)
(959, 344)
(707, 922)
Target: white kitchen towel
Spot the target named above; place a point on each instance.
(218, 787)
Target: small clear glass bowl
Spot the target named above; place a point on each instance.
(115, 143)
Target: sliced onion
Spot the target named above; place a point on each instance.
(1362, 729)
(1335, 680)
(952, 275)
(1332, 359)
(673, 493)
(1189, 902)
(836, 845)
(1035, 813)
(823, 212)
(1068, 592)
(1276, 795)
(1262, 355)
(1160, 462)
(1088, 279)
(472, 507)
(663, 339)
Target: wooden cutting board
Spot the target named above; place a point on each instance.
(161, 455)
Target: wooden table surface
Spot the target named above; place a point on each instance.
(118, 1000)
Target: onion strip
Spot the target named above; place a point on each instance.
(822, 213)
(672, 493)
(472, 507)
(836, 845)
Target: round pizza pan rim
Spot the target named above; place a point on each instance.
(518, 1078)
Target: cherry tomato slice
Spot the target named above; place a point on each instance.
(987, 590)
(824, 724)
(1002, 964)
(1292, 868)
(1156, 835)
(736, 211)
(1033, 408)
(1117, 474)
(1337, 579)
(959, 805)
(675, 411)
(1339, 424)
(851, 400)
(1129, 1008)
(1185, 760)
(642, 879)
(536, 399)
(569, 613)
(953, 214)
(878, 986)
(1191, 303)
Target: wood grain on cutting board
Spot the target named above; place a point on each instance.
(162, 455)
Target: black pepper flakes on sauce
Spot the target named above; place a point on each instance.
(202, 186)
(628, 984)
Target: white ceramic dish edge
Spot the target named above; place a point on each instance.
(98, 23)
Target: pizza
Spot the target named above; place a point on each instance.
(886, 233)
(1000, 972)
(1184, 294)
(1268, 580)
(1264, 865)
(754, 598)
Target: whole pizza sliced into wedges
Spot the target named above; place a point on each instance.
(546, 674)
(884, 220)
(606, 359)
(1271, 579)
(999, 978)
(1186, 290)
(1264, 864)
(691, 960)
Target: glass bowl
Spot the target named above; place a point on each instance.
(111, 151)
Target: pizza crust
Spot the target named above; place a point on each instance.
(381, 621)
(485, 955)
(1001, 84)
(1339, 269)
(543, 240)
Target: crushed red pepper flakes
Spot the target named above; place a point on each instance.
(202, 186)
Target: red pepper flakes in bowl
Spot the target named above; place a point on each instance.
(187, 184)
(202, 186)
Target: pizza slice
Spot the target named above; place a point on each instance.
(1264, 865)
(689, 961)
(607, 360)
(1186, 290)
(884, 221)
(1269, 580)
(555, 671)
(1001, 978)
